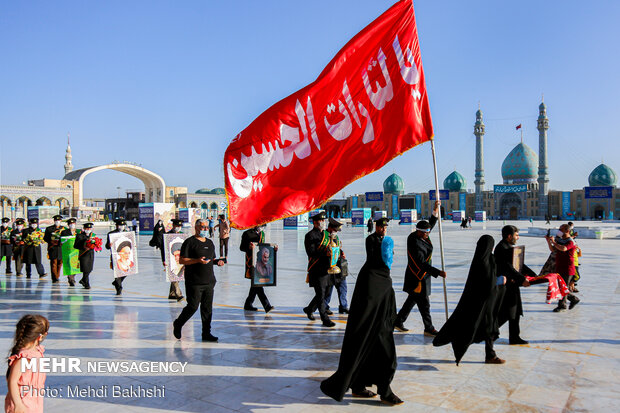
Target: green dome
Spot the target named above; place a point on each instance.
(603, 175)
(455, 182)
(207, 191)
(394, 185)
(520, 166)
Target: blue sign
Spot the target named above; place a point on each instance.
(407, 216)
(359, 216)
(462, 201)
(418, 203)
(394, 206)
(480, 216)
(354, 202)
(146, 215)
(565, 204)
(374, 196)
(506, 189)
(444, 195)
(598, 192)
(457, 216)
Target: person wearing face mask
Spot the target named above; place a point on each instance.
(68, 232)
(316, 243)
(198, 256)
(511, 308)
(368, 354)
(32, 253)
(6, 249)
(250, 237)
(121, 226)
(175, 290)
(417, 275)
(87, 255)
(17, 243)
(54, 249)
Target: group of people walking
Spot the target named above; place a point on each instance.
(23, 247)
(491, 296)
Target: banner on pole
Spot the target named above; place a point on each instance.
(368, 106)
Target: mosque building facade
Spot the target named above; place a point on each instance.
(523, 194)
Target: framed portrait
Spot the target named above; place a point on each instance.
(172, 252)
(264, 262)
(124, 253)
(518, 257)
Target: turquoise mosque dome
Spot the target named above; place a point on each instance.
(603, 175)
(520, 166)
(455, 182)
(394, 184)
(215, 191)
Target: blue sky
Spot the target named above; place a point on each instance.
(169, 84)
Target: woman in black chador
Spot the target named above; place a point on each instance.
(368, 353)
(475, 317)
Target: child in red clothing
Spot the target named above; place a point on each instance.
(26, 389)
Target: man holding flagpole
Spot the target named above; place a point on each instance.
(369, 105)
(417, 275)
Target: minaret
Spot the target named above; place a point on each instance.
(543, 172)
(479, 175)
(68, 164)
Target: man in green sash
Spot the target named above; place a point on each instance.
(317, 249)
(54, 249)
(6, 249)
(69, 253)
(339, 279)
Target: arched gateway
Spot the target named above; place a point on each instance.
(154, 185)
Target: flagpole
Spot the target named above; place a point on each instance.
(438, 198)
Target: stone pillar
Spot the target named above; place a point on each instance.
(479, 175)
(543, 171)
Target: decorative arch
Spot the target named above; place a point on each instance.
(193, 205)
(43, 201)
(213, 206)
(204, 206)
(154, 185)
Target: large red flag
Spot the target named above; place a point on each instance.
(368, 106)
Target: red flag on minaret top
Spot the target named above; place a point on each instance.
(518, 126)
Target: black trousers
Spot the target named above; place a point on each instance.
(39, 267)
(198, 295)
(223, 247)
(260, 292)
(424, 306)
(318, 301)
(118, 281)
(488, 349)
(571, 297)
(85, 278)
(6, 251)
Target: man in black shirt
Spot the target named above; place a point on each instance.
(197, 255)
(417, 275)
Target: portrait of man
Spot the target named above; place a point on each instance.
(264, 266)
(172, 245)
(124, 256)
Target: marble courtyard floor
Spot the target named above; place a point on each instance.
(274, 362)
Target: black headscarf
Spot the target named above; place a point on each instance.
(475, 316)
